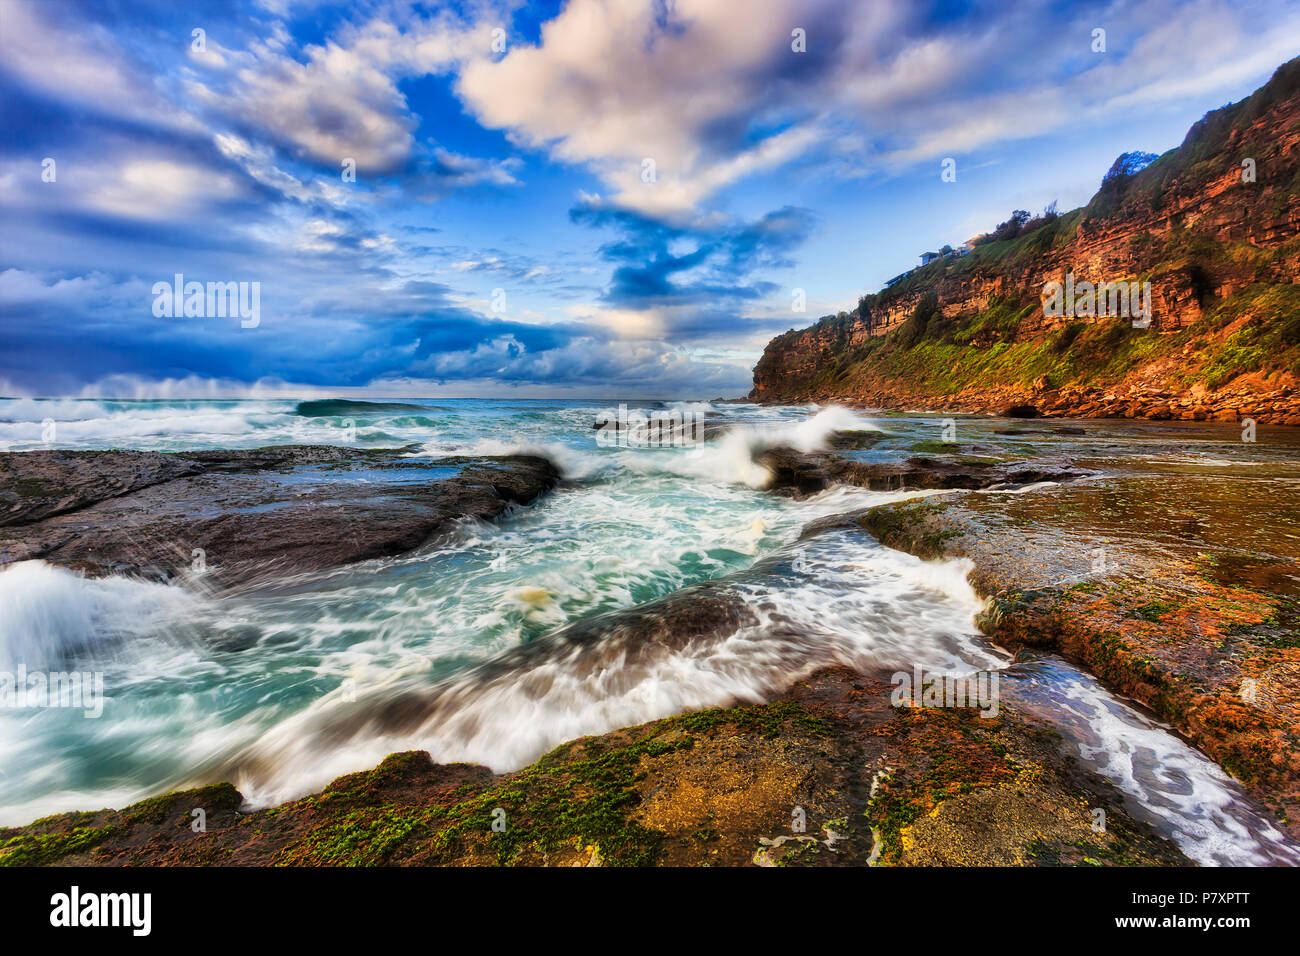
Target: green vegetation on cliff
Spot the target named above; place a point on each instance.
(938, 355)
(1217, 247)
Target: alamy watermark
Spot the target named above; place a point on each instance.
(919, 689)
(181, 299)
(133, 911)
(23, 690)
(658, 428)
(1119, 300)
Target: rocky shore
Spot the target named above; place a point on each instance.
(1215, 251)
(1207, 638)
(237, 517)
(1146, 580)
(871, 784)
(1262, 401)
(1257, 401)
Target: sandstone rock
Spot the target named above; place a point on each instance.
(258, 514)
(1019, 411)
(799, 474)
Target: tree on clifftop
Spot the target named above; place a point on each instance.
(1129, 164)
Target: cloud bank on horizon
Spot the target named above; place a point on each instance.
(599, 197)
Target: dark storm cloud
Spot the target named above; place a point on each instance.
(715, 265)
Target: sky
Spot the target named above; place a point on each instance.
(614, 199)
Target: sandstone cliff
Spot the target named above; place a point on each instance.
(1214, 228)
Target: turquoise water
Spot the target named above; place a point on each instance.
(283, 687)
(195, 681)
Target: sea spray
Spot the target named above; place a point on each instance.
(20, 690)
(747, 639)
(282, 689)
(48, 613)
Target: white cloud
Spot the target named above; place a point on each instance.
(88, 69)
(648, 323)
(317, 235)
(258, 162)
(160, 188)
(338, 105)
(148, 185)
(584, 366)
(1027, 72)
(340, 100)
(611, 85)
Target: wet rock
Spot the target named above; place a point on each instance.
(236, 639)
(1019, 411)
(794, 472)
(40, 484)
(855, 440)
(799, 473)
(1141, 580)
(872, 781)
(235, 517)
(622, 645)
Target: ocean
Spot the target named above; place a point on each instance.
(453, 649)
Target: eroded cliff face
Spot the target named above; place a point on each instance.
(1213, 227)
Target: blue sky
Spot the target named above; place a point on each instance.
(504, 234)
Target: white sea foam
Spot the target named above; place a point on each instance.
(1179, 790)
(59, 410)
(48, 613)
(872, 609)
(452, 649)
(728, 458)
(569, 461)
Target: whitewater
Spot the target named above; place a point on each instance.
(284, 687)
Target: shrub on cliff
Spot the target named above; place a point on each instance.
(918, 323)
(1009, 229)
(1128, 164)
(1063, 339)
(1115, 184)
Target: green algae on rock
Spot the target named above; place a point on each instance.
(797, 782)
